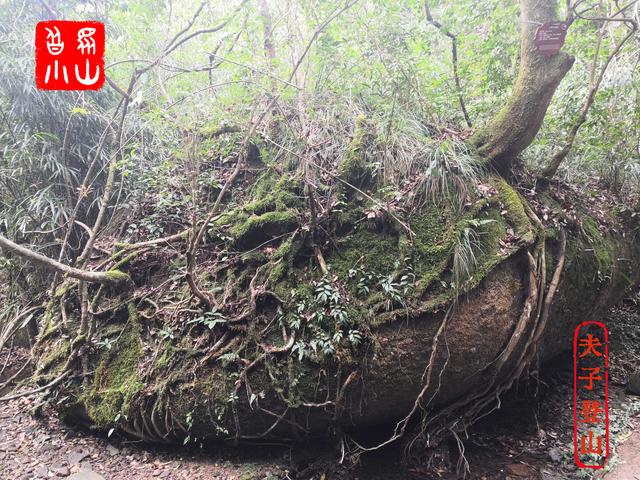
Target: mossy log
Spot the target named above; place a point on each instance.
(294, 353)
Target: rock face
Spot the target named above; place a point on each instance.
(633, 385)
(289, 351)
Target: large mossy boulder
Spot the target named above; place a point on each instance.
(292, 351)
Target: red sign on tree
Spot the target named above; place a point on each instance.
(550, 38)
(69, 55)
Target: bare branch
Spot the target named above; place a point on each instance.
(199, 235)
(109, 278)
(454, 59)
(170, 48)
(116, 87)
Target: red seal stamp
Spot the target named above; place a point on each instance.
(591, 395)
(69, 55)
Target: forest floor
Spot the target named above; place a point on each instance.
(530, 437)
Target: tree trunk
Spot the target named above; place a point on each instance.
(517, 124)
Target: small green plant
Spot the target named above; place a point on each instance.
(394, 289)
(364, 280)
(355, 337)
(116, 419)
(449, 170)
(189, 424)
(464, 255)
(210, 319)
(326, 292)
(390, 288)
(166, 334)
(323, 323)
(106, 343)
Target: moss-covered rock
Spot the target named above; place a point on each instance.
(514, 208)
(116, 380)
(257, 229)
(274, 357)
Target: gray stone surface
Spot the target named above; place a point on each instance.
(86, 475)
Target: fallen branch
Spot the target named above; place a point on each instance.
(113, 277)
(28, 393)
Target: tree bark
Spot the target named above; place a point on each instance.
(517, 124)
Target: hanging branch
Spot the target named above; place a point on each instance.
(594, 85)
(454, 59)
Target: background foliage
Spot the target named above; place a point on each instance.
(378, 59)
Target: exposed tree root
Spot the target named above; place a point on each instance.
(509, 365)
(461, 414)
(402, 425)
(35, 391)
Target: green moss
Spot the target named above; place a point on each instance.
(117, 276)
(283, 258)
(124, 261)
(354, 168)
(272, 202)
(373, 251)
(63, 288)
(488, 254)
(430, 251)
(51, 321)
(116, 380)
(258, 229)
(273, 183)
(433, 244)
(272, 192)
(49, 324)
(603, 249)
(513, 204)
(230, 218)
(54, 359)
(163, 360)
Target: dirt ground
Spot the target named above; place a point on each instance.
(530, 437)
(628, 457)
